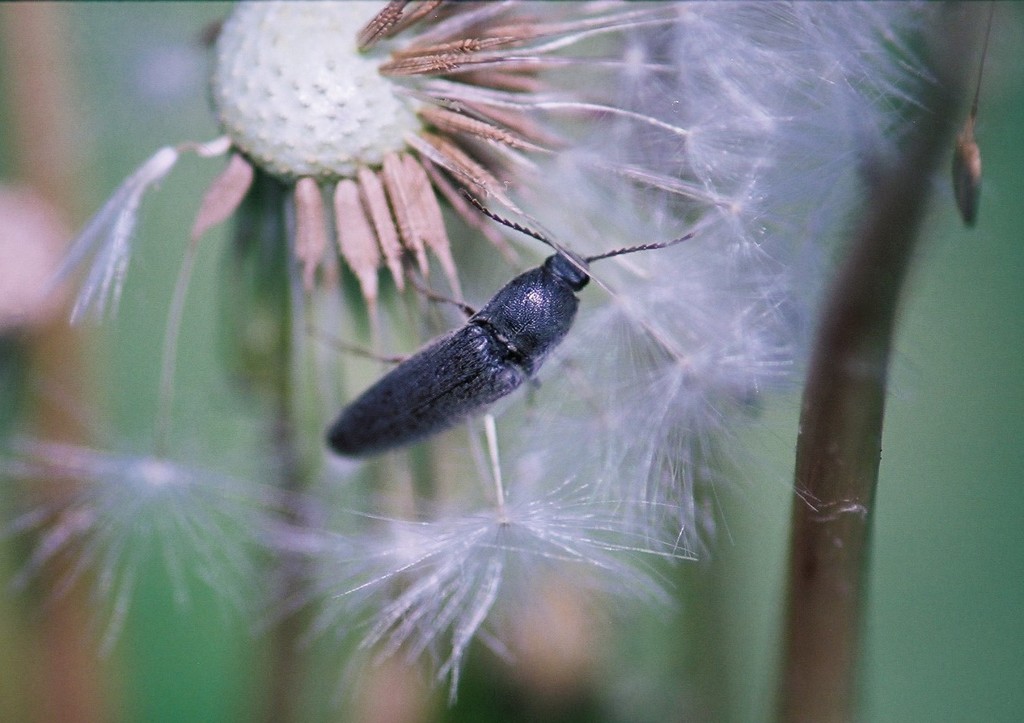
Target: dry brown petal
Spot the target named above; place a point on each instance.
(430, 220)
(381, 23)
(462, 46)
(356, 240)
(310, 228)
(517, 122)
(469, 214)
(401, 192)
(449, 121)
(460, 164)
(376, 204)
(446, 57)
(224, 195)
(414, 14)
(395, 17)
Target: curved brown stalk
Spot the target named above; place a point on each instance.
(839, 444)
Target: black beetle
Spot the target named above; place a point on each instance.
(460, 373)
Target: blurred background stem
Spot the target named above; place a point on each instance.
(66, 683)
(839, 443)
(258, 313)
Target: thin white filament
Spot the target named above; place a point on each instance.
(492, 449)
(168, 363)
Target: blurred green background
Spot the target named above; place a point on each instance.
(945, 629)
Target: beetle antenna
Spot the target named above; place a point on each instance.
(642, 247)
(505, 222)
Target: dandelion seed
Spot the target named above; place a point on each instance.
(108, 236)
(429, 588)
(112, 512)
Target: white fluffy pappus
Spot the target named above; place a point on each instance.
(748, 124)
(430, 588)
(106, 514)
(754, 125)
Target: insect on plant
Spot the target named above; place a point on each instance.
(458, 374)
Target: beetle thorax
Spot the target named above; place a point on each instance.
(532, 314)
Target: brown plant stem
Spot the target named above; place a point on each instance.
(36, 62)
(839, 443)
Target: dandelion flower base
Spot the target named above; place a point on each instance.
(295, 94)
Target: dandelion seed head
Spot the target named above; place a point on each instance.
(388, 109)
(611, 124)
(296, 96)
